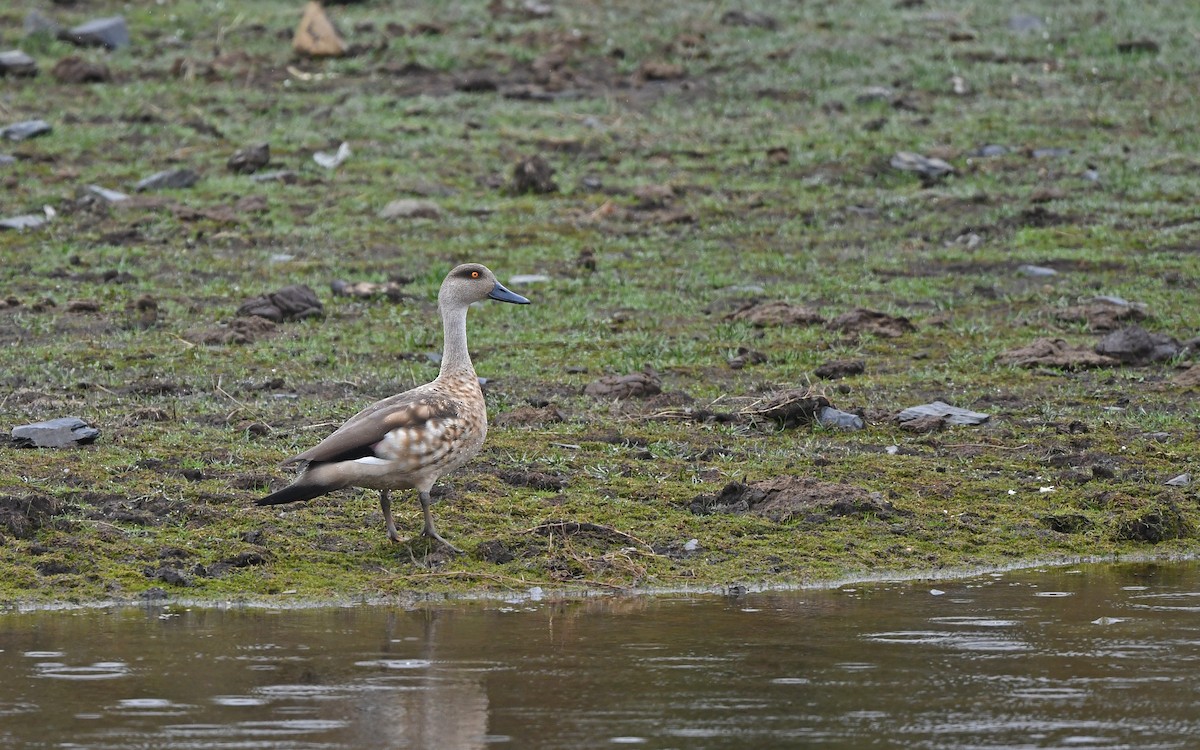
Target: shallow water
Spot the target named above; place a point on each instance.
(1097, 656)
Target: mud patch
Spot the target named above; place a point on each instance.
(535, 480)
(1102, 315)
(24, 516)
(787, 498)
(530, 416)
(634, 385)
(862, 320)
(1055, 353)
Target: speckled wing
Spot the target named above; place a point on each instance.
(382, 429)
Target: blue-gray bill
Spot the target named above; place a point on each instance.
(501, 293)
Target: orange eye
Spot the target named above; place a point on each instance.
(474, 274)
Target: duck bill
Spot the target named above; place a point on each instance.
(501, 294)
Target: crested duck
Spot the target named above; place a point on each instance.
(408, 441)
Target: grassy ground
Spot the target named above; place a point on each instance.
(701, 164)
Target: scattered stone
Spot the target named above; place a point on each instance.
(286, 176)
(110, 33)
(940, 409)
(20, 131)
(1189, 378)
(17, 63)
(294, 302)
(533, 175)
(250, 159)
(37, 22)
(334, 160)
(828, 416)
(368, 289)
(790, 408)
(749, 18)
(862, 320)
(22, 222)
(1103, 313)
(990, 150)
(316, 36)
(790, 498)
(840, 368)
(1135, 46)
(634, 385)
(110, 196)
(1055, 353)
(55, 433)
(1183, 480)
(1137, 346)
(1025, 23)
(776, 313)
(411, 208)
(75, 69)
(1036, 271)
(1050, 153)
(930, 169)
(745, 357)
(168, 179)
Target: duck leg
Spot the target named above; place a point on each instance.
(429, 531)
(385, 505)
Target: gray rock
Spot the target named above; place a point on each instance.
(951, 414)
(285, 176)
(110, 32)
(170, 178)
(411, 208)
(19, 131)
(37, 22)
(1183, 480)
(6, 159)
(250, 159)
(55, 433)
(1135, 345)
(1050, 153)
(1036, 271)
(991, 150)
(17, 63)
(24, 221)
(842, 420)
(929, 168)
(112, 196)
(1025, 23)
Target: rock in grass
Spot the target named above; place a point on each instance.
(24, 221)
(55, 433)
(103, 193)
(294, 302)
(250, 159)
(411, 208)
(929, 168)
(167, 179)
(17, 63)
(316, 36)
(533, 175)
(20, 131)
(1135, 345)
(942, 410)
(1183, 480)
(110, 33)
(827, 416)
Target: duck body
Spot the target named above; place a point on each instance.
(408, 441)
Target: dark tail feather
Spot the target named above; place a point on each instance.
(293, 493)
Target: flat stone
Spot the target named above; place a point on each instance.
(1183, 480)
(411, 208)
(1025, 23)
(1036, 271)
(942, 410)
(990, 151)
(112, 196)
(928, 167)
(55, 433)
(286, 176)
(17, 63)
(24, 221)
(6, 159)
(20, 131)
(110, 32)
(167, 179)
(828, 416)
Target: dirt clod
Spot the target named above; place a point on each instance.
(533, 175)
(862, 320)
(1137, 346)
(634, 385)
(294, 302)
(23, 516)
(790, 497)
(75, 69)
(776, 313)
(840, 368)
(1055, 353)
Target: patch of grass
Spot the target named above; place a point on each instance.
(775, 146)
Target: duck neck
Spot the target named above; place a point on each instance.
(456, 360)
